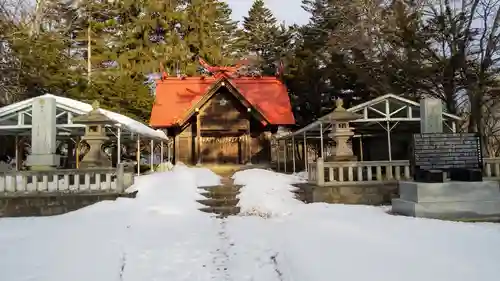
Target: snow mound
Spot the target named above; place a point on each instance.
(173, 192)
(302, 175)
(165, 166)
(266, 193)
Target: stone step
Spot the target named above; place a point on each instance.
(221, 211)
(220, 188)
(220, 195)
(221, 199)
(219, 202)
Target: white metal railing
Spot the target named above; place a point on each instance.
(73, 180)
(375, 172)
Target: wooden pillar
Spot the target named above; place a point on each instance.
(278, 154)
(198, 137)
(268, 141)
(176, 149)
(304, 148)
(249, 145)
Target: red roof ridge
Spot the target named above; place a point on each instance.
(248, 81)
(255, 77)
(187, 78)
(175, 81)
(212, 78)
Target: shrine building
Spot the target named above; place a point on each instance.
(225, 118)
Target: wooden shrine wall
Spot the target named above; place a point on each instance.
(225, 124)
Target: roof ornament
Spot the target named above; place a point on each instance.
(219, 70)
(95, 105)
(339, 103)
(164, 74)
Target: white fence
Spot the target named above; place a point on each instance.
(375, 172)
(74, 181)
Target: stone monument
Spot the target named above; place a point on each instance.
(43, 135)
(431, 116)
(465, 196)
(95, 136)
(342, 132)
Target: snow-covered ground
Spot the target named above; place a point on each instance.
(161, 235)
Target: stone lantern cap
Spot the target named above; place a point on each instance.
(94, 117)
(341, 114)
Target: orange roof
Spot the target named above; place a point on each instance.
(175, 96)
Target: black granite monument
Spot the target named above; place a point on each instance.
(458, 154)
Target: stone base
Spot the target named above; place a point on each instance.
(466, 210)
(94, 164)
(449, 200)
(377, 194)
(449, 191)
(43, 161)
(335, 158)
(53, 203)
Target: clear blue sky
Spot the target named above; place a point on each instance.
(289, 11)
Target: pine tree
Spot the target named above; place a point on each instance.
(111, 44)
(42, 53)
(226, 32)
(261, 36)
(208, 30)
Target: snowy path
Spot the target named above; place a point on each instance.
(254, 254)
(161, 235)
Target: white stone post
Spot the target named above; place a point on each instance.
(43, 135)
(320, 172)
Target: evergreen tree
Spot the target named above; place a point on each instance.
(208, 30)
(226, 32)
(41, 60)
(261, 36)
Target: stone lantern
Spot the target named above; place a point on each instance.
(95, 136)
(341, 132)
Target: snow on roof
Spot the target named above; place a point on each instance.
(84, 108)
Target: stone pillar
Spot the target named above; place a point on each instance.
(320, 172)
(431, 116)
(43, 135)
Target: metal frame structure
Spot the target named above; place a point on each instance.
(387, 111)
(15, 120)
